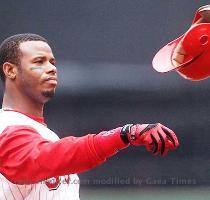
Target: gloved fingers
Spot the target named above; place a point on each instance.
(155, 145)
(149, 147)
(161, 143)
(171, 136)
(155, 141)
(162, 149)
(168, 146)
(141, 128)
(163, 139)
(148, 142)
(158, 143)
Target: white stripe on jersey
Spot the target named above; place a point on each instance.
(20, 191)
(15, 191)
(2, 195)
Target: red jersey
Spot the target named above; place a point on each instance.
(36, 164)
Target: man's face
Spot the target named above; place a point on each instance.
(37, 77)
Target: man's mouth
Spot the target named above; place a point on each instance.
(51, 80)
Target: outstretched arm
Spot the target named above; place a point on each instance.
(26, 157)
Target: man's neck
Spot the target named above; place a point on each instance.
(25, 105)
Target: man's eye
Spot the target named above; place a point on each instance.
(39, 61)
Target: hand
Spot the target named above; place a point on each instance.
(157, 138)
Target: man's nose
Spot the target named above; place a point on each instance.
(51, 69)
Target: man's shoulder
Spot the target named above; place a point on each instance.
(12, 118)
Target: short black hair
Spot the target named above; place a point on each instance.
(10, 51)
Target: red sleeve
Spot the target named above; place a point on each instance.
(26, 157)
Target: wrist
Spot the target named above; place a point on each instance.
(124, 133)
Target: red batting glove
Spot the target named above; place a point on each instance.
(157, 138)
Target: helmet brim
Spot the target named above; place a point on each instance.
(162, 61)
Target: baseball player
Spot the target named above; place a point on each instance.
(35, 164)
(189, 54)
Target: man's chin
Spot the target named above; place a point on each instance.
(48, 94)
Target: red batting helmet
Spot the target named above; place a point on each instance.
(196, 43)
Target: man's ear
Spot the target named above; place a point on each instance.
(10, 70)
